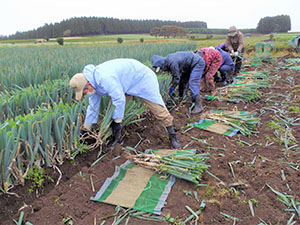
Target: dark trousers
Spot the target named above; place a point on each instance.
(224, 70)
(195, 77)
(238, 62)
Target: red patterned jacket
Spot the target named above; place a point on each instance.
(213, 60)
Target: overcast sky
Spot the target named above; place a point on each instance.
(24, 15)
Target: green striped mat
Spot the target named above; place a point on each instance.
(216, 127)
(212, 126)
(135, 187)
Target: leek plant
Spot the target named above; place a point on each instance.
(35, 65)
(132, 114)
(164, 84)
(22, 101)
(41, 124)
(49, 135)
(43, 138)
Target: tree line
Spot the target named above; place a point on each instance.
(265, 25)
(168, 31)
(81, 26)
(274, 24)
(220, 31)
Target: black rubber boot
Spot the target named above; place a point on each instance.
(198, 104)
(217, 77)
(116, 136)
(224, 79)
(173, 137)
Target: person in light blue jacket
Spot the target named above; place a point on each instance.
(115, 78)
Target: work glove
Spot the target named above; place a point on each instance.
(236, 53)
(116, 128)
(171, 91)
(116, 135)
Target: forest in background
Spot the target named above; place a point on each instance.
(86, 26)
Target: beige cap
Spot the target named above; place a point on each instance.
(232, 31)
(78, 82)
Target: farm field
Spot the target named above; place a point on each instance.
(252, 179)
(279, 40)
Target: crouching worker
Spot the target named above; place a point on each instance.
(213, 60)
(235, 42)
(186, 69)
(115, 78)
(223, 46)
(227, 65)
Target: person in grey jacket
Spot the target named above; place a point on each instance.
(186, 68)
(235, 42)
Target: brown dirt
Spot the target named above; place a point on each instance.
(71, 198)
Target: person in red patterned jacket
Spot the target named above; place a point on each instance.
(213, 60)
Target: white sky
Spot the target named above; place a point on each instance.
(24, 15)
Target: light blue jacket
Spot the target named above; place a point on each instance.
(118, 77)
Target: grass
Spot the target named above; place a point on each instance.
(125, 37)
(97, 40)
(37, 177)
(280, 40)
(294, 109)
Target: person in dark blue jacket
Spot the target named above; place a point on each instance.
(186, 69)
(223, 46)
(227, 64)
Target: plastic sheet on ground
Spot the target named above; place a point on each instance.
(295, 42)
(291, 64)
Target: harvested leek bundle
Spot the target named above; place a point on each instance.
(254, 75)
(244, 88)
(251, 83)
(182, 164)
(236, 94)
(259, 59)
(245, 122)
(245, 94)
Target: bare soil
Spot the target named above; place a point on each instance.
(254, 166)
